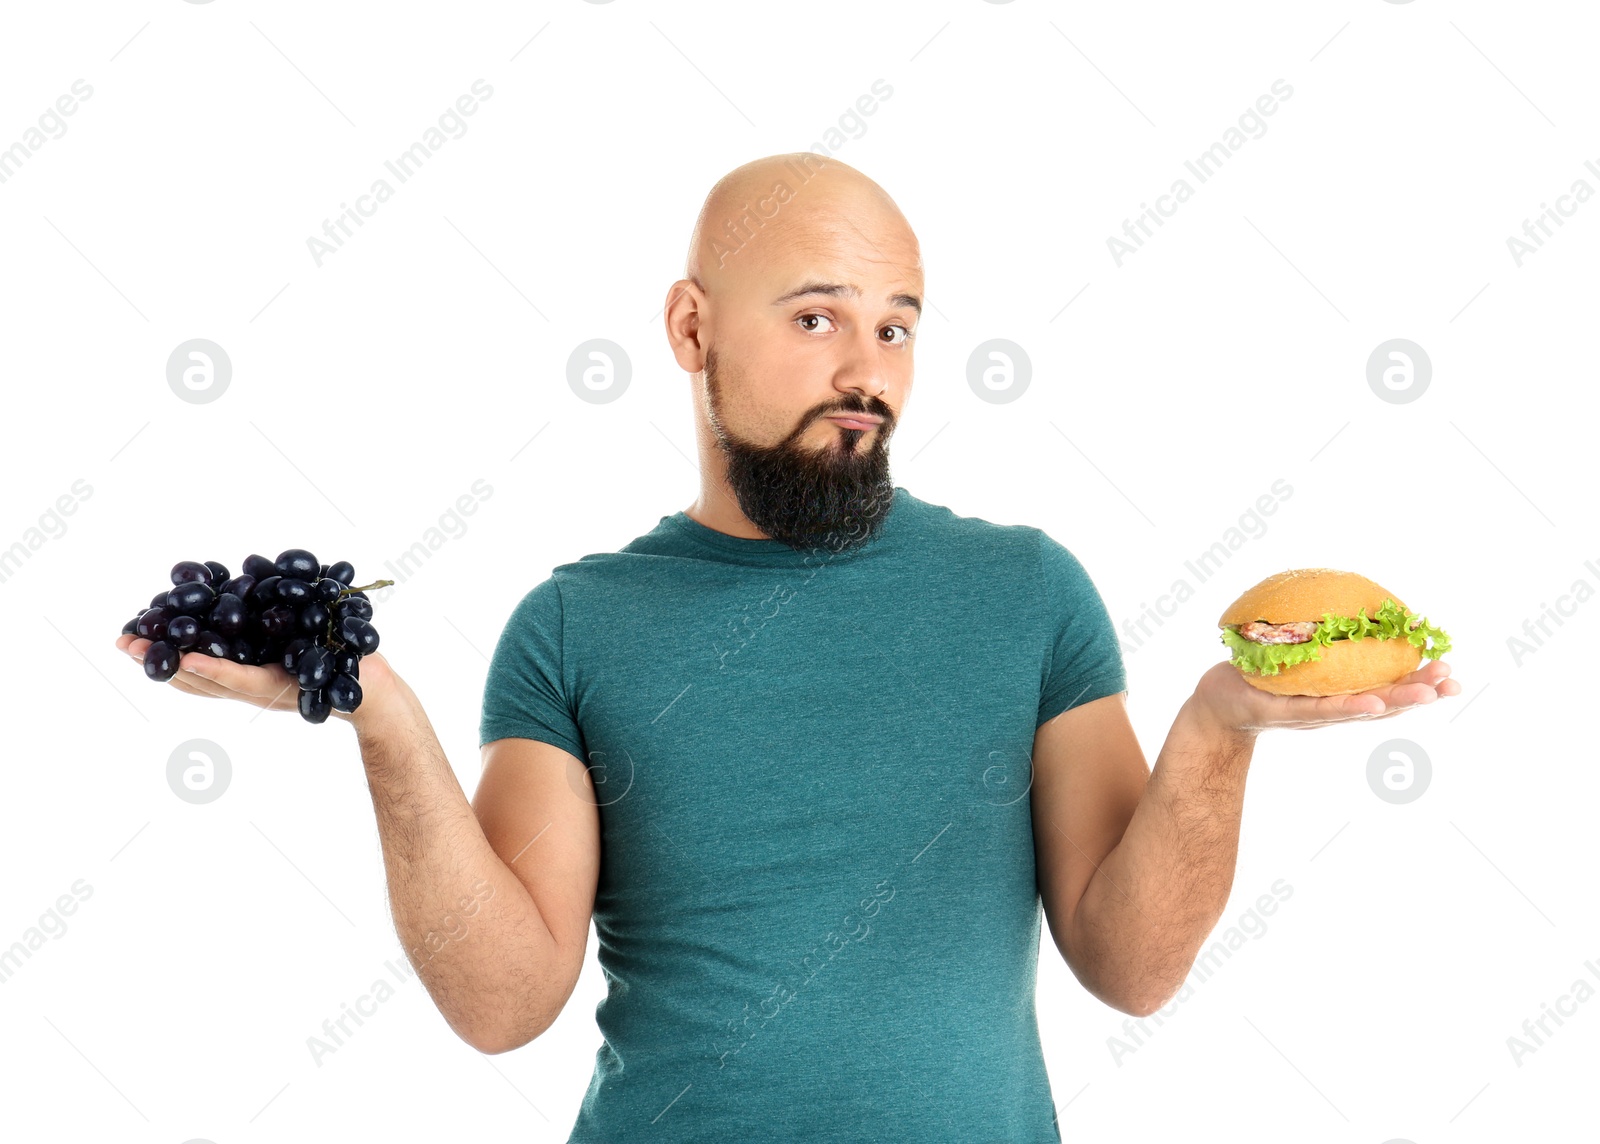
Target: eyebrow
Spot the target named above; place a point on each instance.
(840, 290)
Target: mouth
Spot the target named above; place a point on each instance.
(856, 421)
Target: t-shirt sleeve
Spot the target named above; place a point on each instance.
(524, 696)
(1082, 659)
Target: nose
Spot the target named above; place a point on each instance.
(861, 369)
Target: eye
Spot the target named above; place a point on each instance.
(906, 333)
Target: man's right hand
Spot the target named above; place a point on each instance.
(270, 687)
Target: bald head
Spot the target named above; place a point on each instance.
(766, 210)
(795, 318)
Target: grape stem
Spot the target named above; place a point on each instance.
(343, 592)
(333, 639)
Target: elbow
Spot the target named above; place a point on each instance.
(1146, 1003)
(492, 1044)
(495, 1041)
(1141, 1008)
(1126, 995)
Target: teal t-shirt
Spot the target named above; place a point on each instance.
(816, 912)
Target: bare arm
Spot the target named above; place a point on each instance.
(1152, 877)
(492, 902)
(501, 974)
(1135, 869)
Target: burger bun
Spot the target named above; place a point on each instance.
(1346, 666)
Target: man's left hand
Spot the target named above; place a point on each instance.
(1224, 698)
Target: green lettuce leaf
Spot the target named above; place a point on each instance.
(1389, 622)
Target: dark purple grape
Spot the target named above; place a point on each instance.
(190, 572)
(159, 600)
(314, 618)
(276, 620)
(314, 669)
(355, 606)
(259, 567)
(240, 586)
(191, 599)
(360, 636)
(241, 651)
(327, 589)
(344, 693)
(131, 627)
(341, 571)
(344, 662)
(183, 631)
(297, 562)
(314, 706)
(219, 573)
(322, 570)
(212, 644)
(229, 615)
(266, 592)
(152, 624)
(294, 591)
(161, 661)
(291, 654)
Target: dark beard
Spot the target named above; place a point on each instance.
(830, 500)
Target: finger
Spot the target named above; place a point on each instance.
(1430, 673)
(199, 685)
(185, 686)
(1360, 705)
(256, 682)
(1314, 710)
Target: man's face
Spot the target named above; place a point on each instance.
(797, 363)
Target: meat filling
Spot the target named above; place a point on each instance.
(1264, 633)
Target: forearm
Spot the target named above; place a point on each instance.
(468, 925)
(1150, 905)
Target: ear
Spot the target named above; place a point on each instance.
(683, 313)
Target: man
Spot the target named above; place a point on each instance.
(814, 755)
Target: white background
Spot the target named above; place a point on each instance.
(370, 392)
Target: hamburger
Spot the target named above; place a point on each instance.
(1320, 631)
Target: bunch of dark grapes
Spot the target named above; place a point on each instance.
(291, 610)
